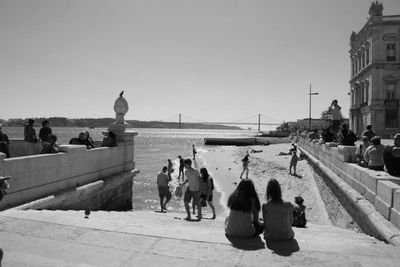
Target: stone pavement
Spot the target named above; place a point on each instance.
(148, 238)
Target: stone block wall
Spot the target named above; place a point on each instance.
(37, 176)
(379, 188)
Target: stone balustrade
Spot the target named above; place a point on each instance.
(379, 188)
(37, 176)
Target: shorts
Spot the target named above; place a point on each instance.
(164, 192)
(203, 196)
(189, 195)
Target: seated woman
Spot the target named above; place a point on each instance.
(374, 154)
(277, 214)
(361, 148)
(245, 207)
(50, 146)
(83, 139)
(109, 140)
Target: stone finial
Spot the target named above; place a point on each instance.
(121, 107)
(376, 9)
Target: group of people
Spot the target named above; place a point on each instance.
(278, 216)
(372, 154)
(199, 191)
(48, 140)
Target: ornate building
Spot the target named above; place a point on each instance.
(375, 74)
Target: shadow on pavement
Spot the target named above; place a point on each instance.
(283, 248)
(254, 243)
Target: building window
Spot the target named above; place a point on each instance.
(391, 91)
(367, 55)
(363, 59)
(366, 92)
(391, 52)
(391, 120)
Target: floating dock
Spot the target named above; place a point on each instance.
(240, 141)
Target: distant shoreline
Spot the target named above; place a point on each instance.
(105, 122)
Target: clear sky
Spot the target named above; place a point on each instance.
(213, 60)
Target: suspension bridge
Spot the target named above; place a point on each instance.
(257, 119)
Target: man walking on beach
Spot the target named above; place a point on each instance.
(192, 192)
(163, 190)
(246, 162)
(194, 152)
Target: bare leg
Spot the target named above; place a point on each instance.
(199, 215)
(212, 208)
(193, 207)
(247, 172)
(187, 208)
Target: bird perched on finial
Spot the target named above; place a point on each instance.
(122, 92)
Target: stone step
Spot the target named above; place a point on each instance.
(137, 238)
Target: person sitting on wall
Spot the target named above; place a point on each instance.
(4, 143)
(81, 140)
(346, 137)
(369, 133)
(50, 146)
(45, 131)
(109, 140)
(314, 135)
(361, 148)
(89, 141)
(391, 156)
(374, 154)
(328, 136)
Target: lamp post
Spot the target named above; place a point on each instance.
(309, 117)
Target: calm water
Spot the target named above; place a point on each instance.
(152, 149)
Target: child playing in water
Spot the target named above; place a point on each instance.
(293, 160)
(299, 212)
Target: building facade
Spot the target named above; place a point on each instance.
(375, 74)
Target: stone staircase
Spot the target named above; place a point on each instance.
(148, 238)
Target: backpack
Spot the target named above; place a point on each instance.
(299, 218)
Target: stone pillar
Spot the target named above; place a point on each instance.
(129, 153)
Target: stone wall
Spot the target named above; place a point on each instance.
(379, 188)
(39, 176)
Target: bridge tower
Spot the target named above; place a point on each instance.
(259, 121)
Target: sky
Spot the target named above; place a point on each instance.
(210, 60)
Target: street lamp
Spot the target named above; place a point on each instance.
(309, 117)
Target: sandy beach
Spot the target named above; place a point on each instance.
(225, 166)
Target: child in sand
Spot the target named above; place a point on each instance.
(299, 212)
(293, 160)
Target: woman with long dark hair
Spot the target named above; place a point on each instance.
(244, 204)
(277, 214)
(206, 188)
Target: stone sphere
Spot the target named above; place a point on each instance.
(121, 105)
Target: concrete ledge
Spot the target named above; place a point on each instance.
(347, 153)
(364, 213)
(382, 207)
